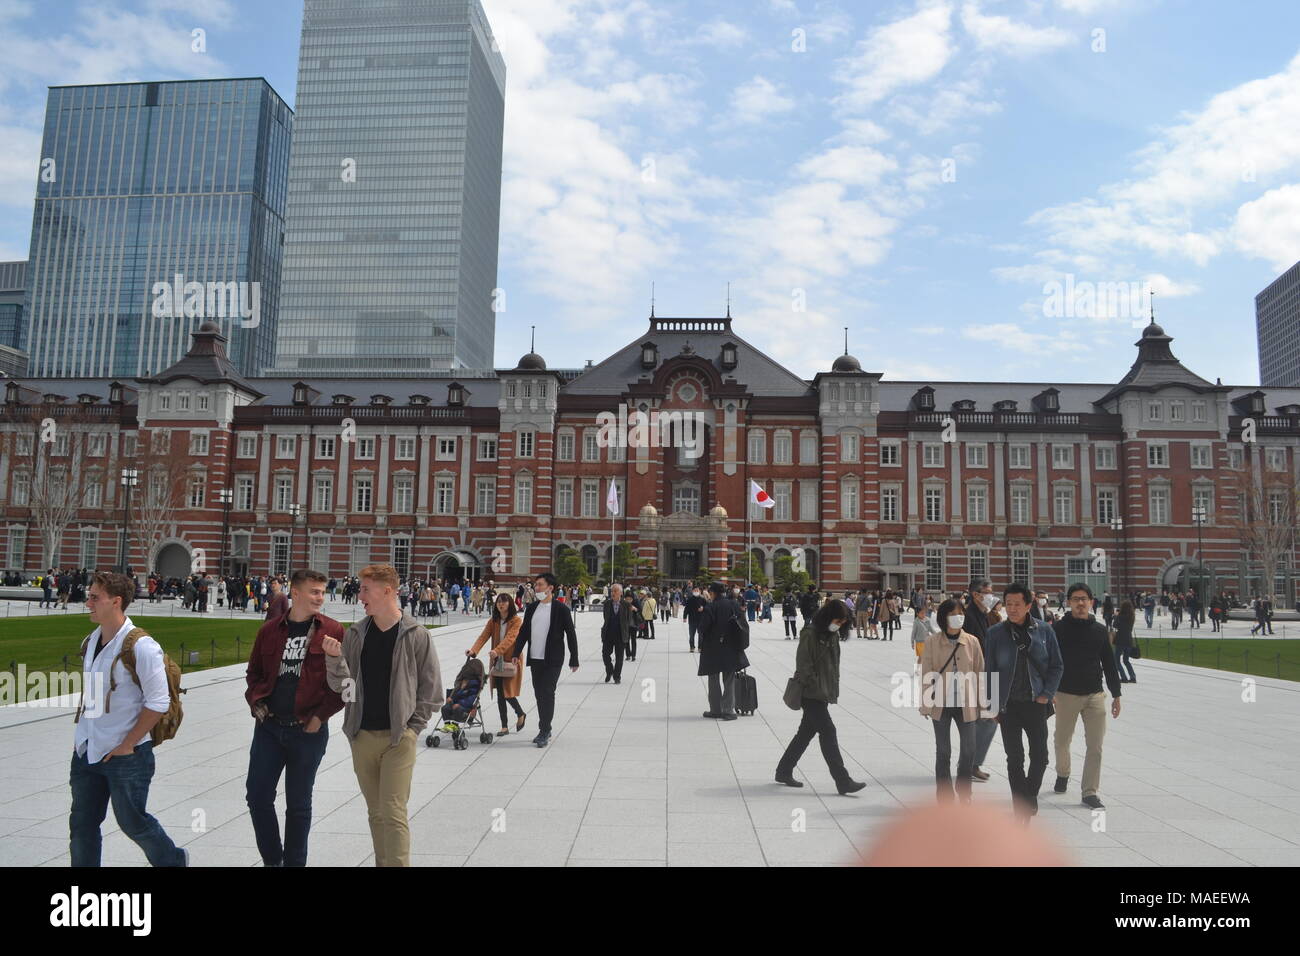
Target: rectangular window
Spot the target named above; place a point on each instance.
(932, 454)
(183, 402)
(1018, 456)
(1277, 507)
(617, 452)
(1203, 503)
(243, 492)
(198, 443)
(485, 496)
(564, 446)
(934, 569)
(325, 447)
(1236, 458)
(1275, 459)
(164, 401)
(1198, 411)
(977, 455)
(889, 503)
(781, 494)
(202, 402)
(286, 446)
(977, 504)
(757, 447)
(129, 443)
(1200, 454)
(404, 495)
(247, 446)
(443, 500)
(849, 506)
(363, 495)
(890, 453)
(487, 449)
(978, 559)
(98, 445)
(404, 447)
(1063, 505)
(1063, 456)
(89, 548)
(1105, 506)
(1157, 455)
(23, 445)
(591, 445)
(198, 484)
(849, 447)
(526, 439)
(564, 497)
(807, 501)
(94, 497)
(320, 552)
(402, 556)
(366, 449)
(933, 504)
(22, 491)
(1159, 505)
(17, 548)
(591, 497)
(324, 493)
(782, 449)
(524, 495)
(1105, 455)
(283, 492)
(1177, 412)
(1021, 566)
(359, 553)
(686, 498)
(61, 444)
(446, 448)
(1153, 411)
(808, 448)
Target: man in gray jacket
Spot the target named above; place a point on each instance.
(386, 670)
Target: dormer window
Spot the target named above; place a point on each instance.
(1257, 403)
(964, 405)
(114, 393)
(1048, 400)
(1289, 410)
(924, 399)
(299, 393)
(11, 392)
(420, 400)
(729, 356)
(86, 399)
(381, 400)
(343, 399)
(456, 394)
(1006, 405)
(649, 355)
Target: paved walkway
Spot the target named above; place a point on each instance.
(1193, 775)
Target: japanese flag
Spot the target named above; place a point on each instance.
(611, 499)
(760, 497)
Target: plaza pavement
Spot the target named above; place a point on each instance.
(635, 776)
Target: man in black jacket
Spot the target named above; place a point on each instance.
(720, 654)
(695, 607)
(808, 603)
(1086, 651)
(614, 633)
(980, 600)
(547, 623)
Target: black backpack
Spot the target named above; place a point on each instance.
(736, 631)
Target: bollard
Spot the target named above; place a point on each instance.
(214, 653)
(1246, 660)
(1218, 656)
(65, 663)
(1193, 653)
(13, 667)
(182, 655)
(1278, 661)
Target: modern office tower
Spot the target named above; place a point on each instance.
(1277, 329)
(394, 190)
(159, 206)
(13, 361)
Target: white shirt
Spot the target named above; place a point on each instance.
(541, 625)
(99, 733)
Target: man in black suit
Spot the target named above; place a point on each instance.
(547, 623)
(694, 608)
(614, 633)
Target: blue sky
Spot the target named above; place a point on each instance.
(919, 171)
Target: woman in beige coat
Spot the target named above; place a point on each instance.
(952, 673)
(503, 628)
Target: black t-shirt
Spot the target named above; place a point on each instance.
(282, 697)
(377, 676)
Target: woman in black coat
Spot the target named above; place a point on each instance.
(1124, 642)
(720, 655)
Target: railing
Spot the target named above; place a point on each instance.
(339, 412)
(996, 418)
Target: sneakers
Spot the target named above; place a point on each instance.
(1093, 801)
(1061, 784)
(787, 779)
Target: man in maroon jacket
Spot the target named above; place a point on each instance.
(288, 695)
(278, 605)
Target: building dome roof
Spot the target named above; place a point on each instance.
(846, 363)
(717, 511)
(533, 362)
(648, 510)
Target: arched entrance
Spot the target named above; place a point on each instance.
(1184, 575)
(456, 566)
(173, 560)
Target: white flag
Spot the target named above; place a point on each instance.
(760, 497)
(611, 499)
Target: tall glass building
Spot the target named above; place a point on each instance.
(148, 183)
(394, 190)
(1277, 330)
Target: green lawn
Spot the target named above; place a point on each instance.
(51, 643)
(1263, 658)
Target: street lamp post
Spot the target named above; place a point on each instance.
(1199, 516)
(1117, 525)
(226, 497)
(130, 478)
(295, 509)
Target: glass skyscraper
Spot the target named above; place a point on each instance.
(394, 190)
(148, 183)
(1277, 330)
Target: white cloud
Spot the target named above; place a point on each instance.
(721, 34)
(897, 55)
(1269, 227)
(1005, 35)
(852, 165)
(757, 99)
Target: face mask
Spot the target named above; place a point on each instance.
(834, 627)
(988, 600)
(956, 620)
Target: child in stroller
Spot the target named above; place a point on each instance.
(461, 711)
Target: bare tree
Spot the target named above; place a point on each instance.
(163, 483)
(1265, 519)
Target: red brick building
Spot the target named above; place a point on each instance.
(881, 483)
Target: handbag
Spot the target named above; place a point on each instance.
(1136, 651)
(793, 695)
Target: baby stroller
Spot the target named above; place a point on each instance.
(461, 711)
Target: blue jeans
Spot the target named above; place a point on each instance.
(750, 605)
(1122, 661)
(943, 752)
(986, 728)
(295, 753)
(125, 782)
(1148, 611)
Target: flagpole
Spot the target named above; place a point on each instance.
(749, 508)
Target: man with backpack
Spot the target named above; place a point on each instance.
(129, 703)
(724, 635)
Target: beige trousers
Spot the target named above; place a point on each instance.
(1092, 707)
(384, 773)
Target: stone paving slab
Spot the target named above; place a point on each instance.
(1193, 774)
